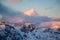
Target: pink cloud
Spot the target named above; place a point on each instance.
(16, 20)
(52, 24)
(54, 17)
(14, 1)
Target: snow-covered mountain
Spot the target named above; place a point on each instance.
(26, 33)
(19, 18)
(27, 25)
(30, 12)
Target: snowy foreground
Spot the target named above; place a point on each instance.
(29, 33)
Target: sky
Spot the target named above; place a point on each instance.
(49, 8)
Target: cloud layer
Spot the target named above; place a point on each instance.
(27, 17)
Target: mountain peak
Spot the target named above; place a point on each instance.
(30, 12)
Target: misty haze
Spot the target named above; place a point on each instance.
(29, 19)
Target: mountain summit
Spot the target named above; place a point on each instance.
(30, 12)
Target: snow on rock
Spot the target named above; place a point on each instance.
(11, 33)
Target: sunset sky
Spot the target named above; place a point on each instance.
(45, 7)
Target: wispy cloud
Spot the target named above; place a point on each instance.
(14, 1)
(16, 20)
(52, 24)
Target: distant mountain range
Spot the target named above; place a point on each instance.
(19, 18)
(28, 33)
